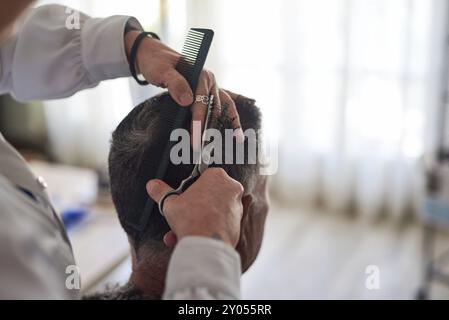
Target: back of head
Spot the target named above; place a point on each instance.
(135, 155)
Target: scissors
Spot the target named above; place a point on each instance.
(202, 163)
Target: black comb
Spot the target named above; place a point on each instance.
(190, 65)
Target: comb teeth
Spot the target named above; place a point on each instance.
(192, 45)
(194, 53)
(190, 51)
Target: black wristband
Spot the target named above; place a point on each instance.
(133, 55)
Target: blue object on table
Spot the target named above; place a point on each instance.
(72, 217)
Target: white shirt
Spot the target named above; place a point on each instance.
(47, 60)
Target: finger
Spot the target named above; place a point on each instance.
(204, 88)
(226, 101)
(157, 189)
(178, 88)
(234, 96)
(199, 109)
(170, 239)
(217, 100)
(198, 114)
(229, 104)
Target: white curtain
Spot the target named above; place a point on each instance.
(80, 126)
(350, 87)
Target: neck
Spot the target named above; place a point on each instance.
(149, 268)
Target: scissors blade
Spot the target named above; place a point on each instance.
(204, 159)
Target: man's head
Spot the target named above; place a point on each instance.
(135, 154)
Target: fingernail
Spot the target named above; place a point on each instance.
(239, 136)
(186, 99)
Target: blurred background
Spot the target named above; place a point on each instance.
(354, 91)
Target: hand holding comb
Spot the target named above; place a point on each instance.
(194, 54)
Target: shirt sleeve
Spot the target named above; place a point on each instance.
(58, 51)
(203, 268)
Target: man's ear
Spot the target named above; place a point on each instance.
(247, 201)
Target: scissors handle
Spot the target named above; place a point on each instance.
(185, 184)
(164, 197)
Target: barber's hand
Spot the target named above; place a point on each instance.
(211, 207)
(157, 63)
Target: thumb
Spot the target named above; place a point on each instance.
(157, 188)
(179, 89)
